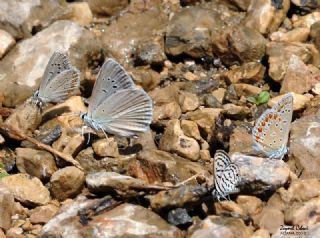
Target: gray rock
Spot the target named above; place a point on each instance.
(26, 189)
(107, 7)
(66, 182)
(6, 207)
(259, 175)
(22, 69)
(7, 41)
(137, 221)
(189, 31)
(123, 185)
(304, 146)
(216, 227)
(173, 140)
(38, 163)
(20, 18)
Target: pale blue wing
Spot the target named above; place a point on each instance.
(58, 62)
(61, 87)
(271, 132)
(111, 78)
(124, 113)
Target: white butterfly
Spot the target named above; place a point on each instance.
(226, 175)
(60, 80)
(271, 132)
(116, 105)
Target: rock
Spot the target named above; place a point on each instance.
(14, 232)
(299, 101)
(316, 89)
(301, 190)
(219, 94)
(189, 31)
(261, 233)
(25, 119)
(2, 235)
(132, 28)
(166, 111)
(122, 185)
(156, 166)
(214, 227)
(307, 20)
(250, 205)
(190, 76)
(27, 190)
(299, 34)
(246, 90)
(314, 34)
(280, 53)
(182, 196)
(305, 213)
(208, 100)
(205, 155)
(7, 41)
(146, 77)
(238, 44)
(270, 219)
(91, 164)
(66, 182)
(138, 220)
(188, 101)
(236, 112)
(179, 216)
(150, 52)
(69, 143)
(107, 7)
(266, 16)
(190, 129)
(2, 140)
(250, 73)
(205, 118)
(42, 214)
(80, 13)
(106, 147)
(259, 175)
(304, 145)
(21, 19)
(7, 207)
(25, 64)
(228, 207)
(173, 140)
(38, 163)
(305, 3)
(65, 115)
(246, 44)
(298, 73)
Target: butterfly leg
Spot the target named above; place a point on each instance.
(105, 134)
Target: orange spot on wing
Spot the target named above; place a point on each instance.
(263, 123)
(260, 129)
(257, 138)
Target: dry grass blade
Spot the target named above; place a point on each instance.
(17, 133)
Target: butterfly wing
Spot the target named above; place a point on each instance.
(226, 175)
(112, 78)
(58, 62)
(61, 86)
(124, 113)
(271, 132)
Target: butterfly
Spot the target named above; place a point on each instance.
(271, 132)
(226, 175)
(60, 80)
(116, 106)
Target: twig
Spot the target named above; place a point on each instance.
(9, 129)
